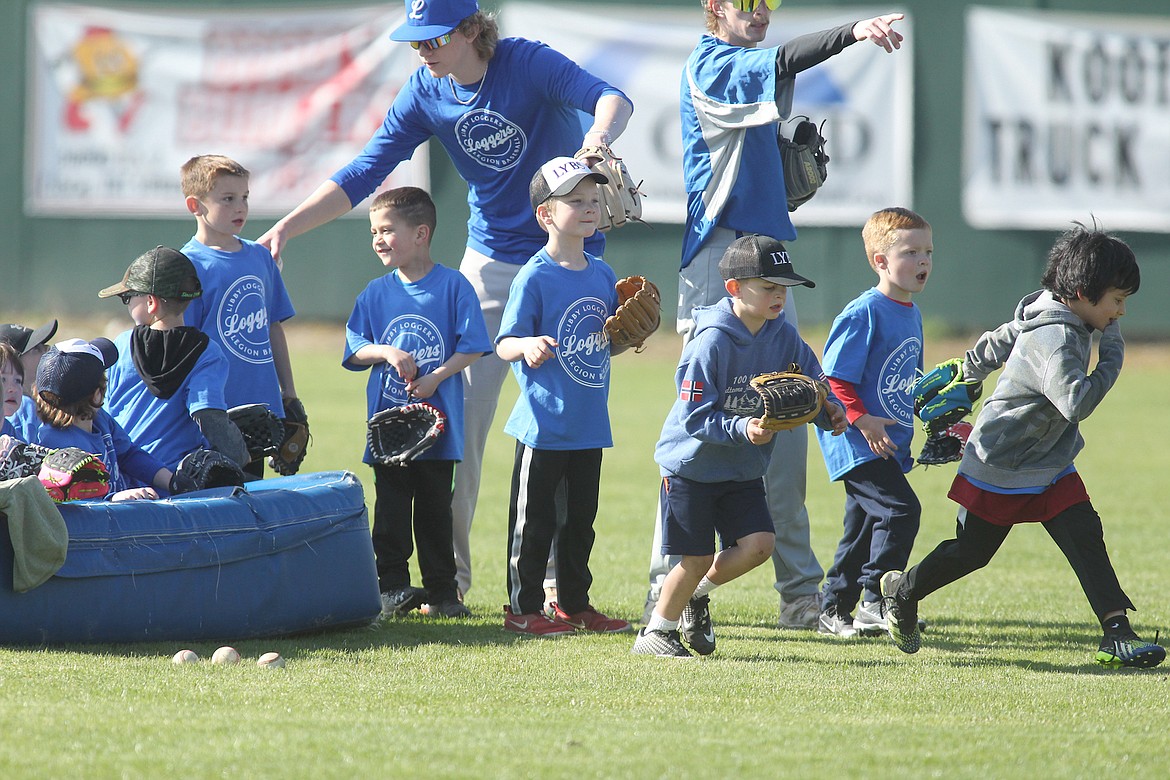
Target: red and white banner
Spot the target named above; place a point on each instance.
(119, 99)
(1067, 118)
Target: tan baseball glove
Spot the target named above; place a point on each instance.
(639, 313)
(621, 200)
(790, 398)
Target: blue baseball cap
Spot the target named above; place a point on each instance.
(426, 19)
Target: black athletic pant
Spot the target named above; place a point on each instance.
(418, 496)
(1077, 532)
(533, 522)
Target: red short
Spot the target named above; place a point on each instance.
(1014, 508)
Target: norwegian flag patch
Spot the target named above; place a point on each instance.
(691, 391)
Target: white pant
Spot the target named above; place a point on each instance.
(482, 381)
(798, 573)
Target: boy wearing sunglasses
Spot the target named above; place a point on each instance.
(734, 94)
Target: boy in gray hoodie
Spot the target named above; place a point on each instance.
(713, 453)
(1018, 465)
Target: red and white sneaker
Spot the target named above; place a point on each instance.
(535, 624)
(589, 619)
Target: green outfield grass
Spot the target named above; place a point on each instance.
(1004, 686)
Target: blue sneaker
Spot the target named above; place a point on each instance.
(901, 614)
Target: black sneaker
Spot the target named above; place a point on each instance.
(399, 601)
(901, 614)
(452, 608)
(664, 644)
(1130, 650)
(695, 625)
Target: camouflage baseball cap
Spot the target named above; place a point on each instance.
(165, 272)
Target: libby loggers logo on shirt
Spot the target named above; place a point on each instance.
(583, 346)
(896, 385)
(243, 321)
(418, 336)
(490, 139)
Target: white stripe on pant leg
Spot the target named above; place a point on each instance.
(518, 532)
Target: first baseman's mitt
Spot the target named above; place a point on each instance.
(71, 474)
(639, 313)
(262, 430)
(621, 200)
(18, 459)
(942, 396)
(398, 435)
(806, 166)
(790, 398)
(946, 446)
(287, 459)
(203, 469)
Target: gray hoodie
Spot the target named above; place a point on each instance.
(1028, 430)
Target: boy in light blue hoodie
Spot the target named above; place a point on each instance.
(713, 452)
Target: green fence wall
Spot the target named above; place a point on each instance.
(55, 265)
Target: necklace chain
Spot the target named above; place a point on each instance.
(470, 100)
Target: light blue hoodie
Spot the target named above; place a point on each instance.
(704, 437)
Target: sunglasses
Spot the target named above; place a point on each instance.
(126, 297)
(431, 43)
(747, 6)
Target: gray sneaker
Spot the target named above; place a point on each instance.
(695, 625)
(664, 644)
(869, 620)
(901, 614)
(833, 621)
(399, 601)
(801, 612)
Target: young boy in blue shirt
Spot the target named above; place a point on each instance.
(244, 301)
(30, 344)
(167, 387)
(1018, 465)
(553, 333)
(713, 452)
(420, 324)
(873, 357)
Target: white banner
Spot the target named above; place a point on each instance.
(119, 99)
(865, 94)
(1067, 118)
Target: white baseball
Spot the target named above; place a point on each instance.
(271, 661)
(225, 655)
(185, 657)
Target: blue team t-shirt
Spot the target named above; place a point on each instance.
(875, 343)
(433, 319)
(730, 105)
(242, 293)
(563, 404)
(129, 465)
(525, 111)
(164, 426)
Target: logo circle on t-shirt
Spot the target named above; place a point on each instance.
(898, 375)
(418, 336)
(243, 321)
(490, 139)
(583, 346)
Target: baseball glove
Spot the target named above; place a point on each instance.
(946, 446)
(70, 474)
(790, 398)
(202, 469)
(639, 313)
(806, 166)
(398, 435)
(18, 459)
(621, 200)
(262, 430)
(286, 461)
(942, 396)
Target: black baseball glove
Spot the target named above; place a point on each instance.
(262, 430)
(790, 398)
(806, 166)
(294, 446)
(398, 435)
(203, 469)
